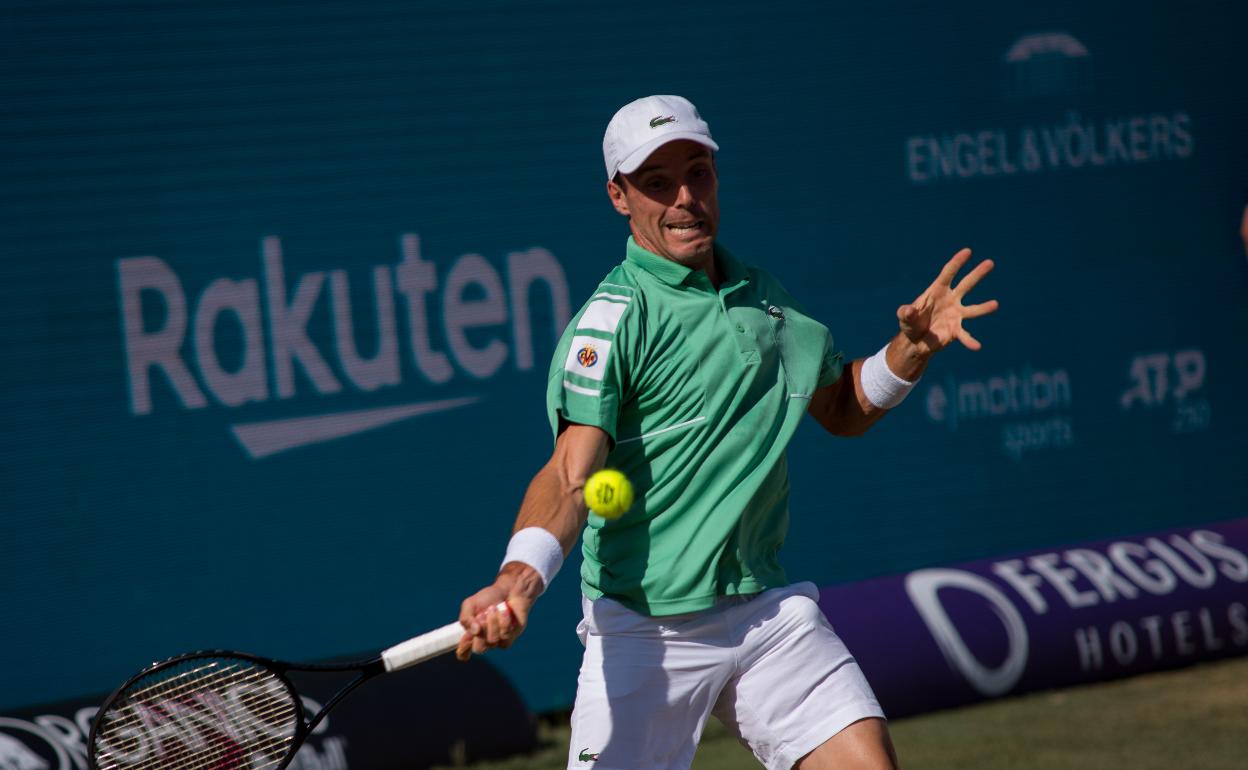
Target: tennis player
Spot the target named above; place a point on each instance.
(689, 369)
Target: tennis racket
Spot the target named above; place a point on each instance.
(219, 710)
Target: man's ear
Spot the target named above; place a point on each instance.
(618, 199)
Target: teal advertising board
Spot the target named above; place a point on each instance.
(281, 282)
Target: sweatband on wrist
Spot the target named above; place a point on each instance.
(881, 387)
(538, 548)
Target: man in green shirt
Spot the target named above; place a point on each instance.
(689, 370)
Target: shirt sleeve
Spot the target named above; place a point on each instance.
(589, 373)
(832, 365)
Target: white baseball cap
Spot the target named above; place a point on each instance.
(645, 125)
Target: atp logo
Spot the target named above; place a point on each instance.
(587, 356)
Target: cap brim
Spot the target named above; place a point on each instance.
(639, 155)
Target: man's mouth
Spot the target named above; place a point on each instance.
(684, 228)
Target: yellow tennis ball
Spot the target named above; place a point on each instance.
(609, 493)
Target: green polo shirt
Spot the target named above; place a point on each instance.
(700, 390)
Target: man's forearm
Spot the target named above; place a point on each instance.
(847, 409)
(555, 501)
(553, 504)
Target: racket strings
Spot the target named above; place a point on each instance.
(193, 680)
(207, 714)
(226, 739)
(242, 734)
(196, 682)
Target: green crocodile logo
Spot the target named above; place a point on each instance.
(585, 756)
(660, 120)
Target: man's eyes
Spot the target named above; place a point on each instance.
(660, 183)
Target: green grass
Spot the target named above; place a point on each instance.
(1193, 718)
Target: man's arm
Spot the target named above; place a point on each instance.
(555, 502)
(929, 324)
(842, 408)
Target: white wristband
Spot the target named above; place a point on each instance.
(881, 387)
(538, 548)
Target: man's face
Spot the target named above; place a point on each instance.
(671, 203)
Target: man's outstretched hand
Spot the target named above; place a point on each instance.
(934, 320)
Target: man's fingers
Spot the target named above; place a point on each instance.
(983, 308)
(497, 624)
(951, 268)
(972, 278)
(494, 626)
(966, 339)
(912, 314)
(470, 615)
(509, 624)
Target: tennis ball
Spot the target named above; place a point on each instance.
(609, 493)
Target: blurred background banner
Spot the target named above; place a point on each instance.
(946, 636)
(281, 282)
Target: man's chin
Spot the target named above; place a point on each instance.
(692, 253)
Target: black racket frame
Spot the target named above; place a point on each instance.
(367, 669)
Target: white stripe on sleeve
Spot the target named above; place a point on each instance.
(602, 315)
(572, 386)
(616, 297)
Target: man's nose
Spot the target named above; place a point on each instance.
(684, 195)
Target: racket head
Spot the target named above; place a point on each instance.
(211, 710)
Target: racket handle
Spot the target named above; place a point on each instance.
(428, 645)
(418, 649)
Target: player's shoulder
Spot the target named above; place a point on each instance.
(621, 281)
(621, 291)
(615, 305)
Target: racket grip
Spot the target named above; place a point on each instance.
(428, 645)
(418, 649)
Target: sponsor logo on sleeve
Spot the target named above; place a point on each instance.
(587, 357)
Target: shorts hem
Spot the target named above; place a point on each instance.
(812, 739)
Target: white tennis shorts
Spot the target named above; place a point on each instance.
(769, 667)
